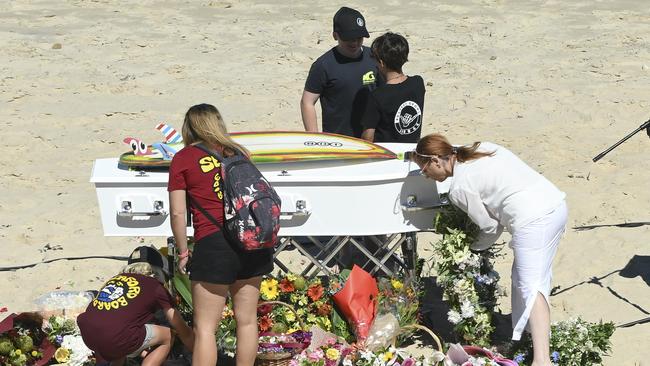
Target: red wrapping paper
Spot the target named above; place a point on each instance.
(46, 347)
(357, 300)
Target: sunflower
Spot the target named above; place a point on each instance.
(269, 289)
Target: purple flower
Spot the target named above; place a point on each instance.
(555, 356)
(59, 339)
(519, 358)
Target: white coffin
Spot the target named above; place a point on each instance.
(337, 197)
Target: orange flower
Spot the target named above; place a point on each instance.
(287, 286)
(265, 323)
(324, 310)
(315, 292)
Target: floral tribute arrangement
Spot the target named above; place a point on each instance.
(307, 296)
(28, 340)
(71, 349)
(574, 342)
(468, 279)
(326, 349)
(22, 342)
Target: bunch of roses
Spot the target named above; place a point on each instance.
(468, 279)
(332, 352)
(574, 342)
(307, 297)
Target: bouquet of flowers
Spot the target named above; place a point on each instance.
(469, 282)
(392, 356)
(574, 342)
(307, 296)
(71, 349)
(401, 298)
(329, 351)
(357, 301)
(22, 342)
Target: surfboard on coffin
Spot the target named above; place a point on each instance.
(278, 146)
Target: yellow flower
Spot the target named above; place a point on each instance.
(397, 285)
(289, 315)
(293, 330)
(34, 353)
(291, 277)
(18, 352)
(62, 355)
(388, 356)
(332, 354)
(269, 289)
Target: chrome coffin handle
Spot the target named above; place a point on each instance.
(301, 209)
(412, 204)
(126, 210)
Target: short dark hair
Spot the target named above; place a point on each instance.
(392, 49)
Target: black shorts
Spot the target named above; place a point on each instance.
(215, 260)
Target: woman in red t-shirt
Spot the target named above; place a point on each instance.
(217, 267)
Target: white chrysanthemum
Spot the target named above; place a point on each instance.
(467, 309)
(454, 317)
(79, 352)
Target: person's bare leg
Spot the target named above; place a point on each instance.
(245, 295)
(540, 328)
(162, 341)
(208, 300)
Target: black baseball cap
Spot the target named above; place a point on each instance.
(350, 24)
(149, 254)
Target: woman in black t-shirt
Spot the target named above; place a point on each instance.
(394, 110)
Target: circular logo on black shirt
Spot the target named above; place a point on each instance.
(408, 118)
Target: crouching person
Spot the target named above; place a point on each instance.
(118, 323)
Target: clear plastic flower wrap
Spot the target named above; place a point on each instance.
(383, 330)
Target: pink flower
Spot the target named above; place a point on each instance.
(316, 355)
(408, 362)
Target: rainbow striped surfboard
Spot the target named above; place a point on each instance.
(275, 147)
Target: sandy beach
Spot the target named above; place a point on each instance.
(556, 82)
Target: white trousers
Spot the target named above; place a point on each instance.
(534, 247)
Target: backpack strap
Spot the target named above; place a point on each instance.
(210, 151)
(204, 211)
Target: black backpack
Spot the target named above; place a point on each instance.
(251, 205)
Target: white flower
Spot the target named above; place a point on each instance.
(79, 352)
(467, 309)
(454, 317)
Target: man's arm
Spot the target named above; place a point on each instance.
(185, 333)
(308, 111)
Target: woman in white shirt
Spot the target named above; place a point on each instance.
(498, 190)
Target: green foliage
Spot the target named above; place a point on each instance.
(468, 279)
(574, 342)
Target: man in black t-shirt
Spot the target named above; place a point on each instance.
(341, 78)
(394, 111)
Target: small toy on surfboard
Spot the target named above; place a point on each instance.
(265, 147)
